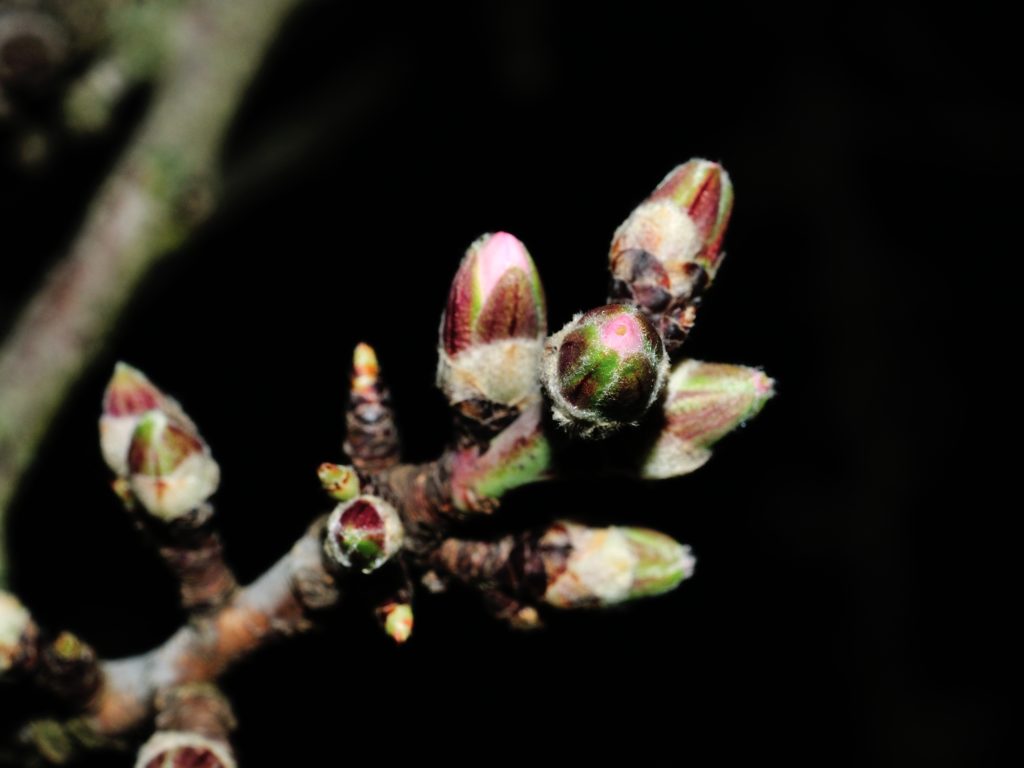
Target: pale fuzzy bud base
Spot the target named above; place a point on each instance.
(115, 440)
(165, 741)
(599, 572)
(504, 372)
(173, 496)
(672, 457)
(394, 532)
(14, 621)
(580, 421)
(668, 233)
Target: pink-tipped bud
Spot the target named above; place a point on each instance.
(670, 248)
(493, 325)
(184, 749)
(604, 369)
(704, 402)
(171, 469)
(363, 533)
(128, 396)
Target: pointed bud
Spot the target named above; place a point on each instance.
(339, 480)
(397, 620)
(704, 402)
(597, 567)
(16, 629)
(184, 749)
(604, 369)
(363, 533)
(365, 368)
(493, 325)
(130, 394)
(371, 435)
(171, 469)
(669, 249)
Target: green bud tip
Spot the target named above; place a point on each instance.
(365, 369)
(183, 749)
(398, 621)
(596, 567)
(340, 481)
(363, 533)
(171, 470)
(604, 369)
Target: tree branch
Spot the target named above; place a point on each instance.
(156, 196)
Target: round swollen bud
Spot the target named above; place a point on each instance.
(493, 325)
(171, 471)
(703, 403)
(596, 567)
(340, 481)
(183, 749)
(604, 369)
(363, 533)
(15, 628)
(128, 396)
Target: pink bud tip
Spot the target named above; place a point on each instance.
(623, 334)
(499, 254)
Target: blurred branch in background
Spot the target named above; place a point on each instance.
(200, 56)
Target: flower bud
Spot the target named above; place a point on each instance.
(597, 567)
(183, 749)
(339, 480)
(669, 249)
(363, 533)
(493, 326)
(15, 628)
(128, 396)
(604, 369)
(171, 469)
(397, 620)
(704, 402)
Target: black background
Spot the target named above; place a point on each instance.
(847, 607)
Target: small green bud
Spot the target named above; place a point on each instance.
(171, 469)
(604, 369)
(397, 619)
(363, 533)
(339, 480)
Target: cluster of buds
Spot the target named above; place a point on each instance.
(605, 369)
(154, 449)
(492, 332)
(670, 248)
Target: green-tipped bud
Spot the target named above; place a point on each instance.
(704, 402)
(15, 627)
(171, 469)
(604, 369)
(597, 567)
(363, 533)
(670, 248)
(493, 326)
(184, 749)
(340, 481)
(397, 620)
(128, 396)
